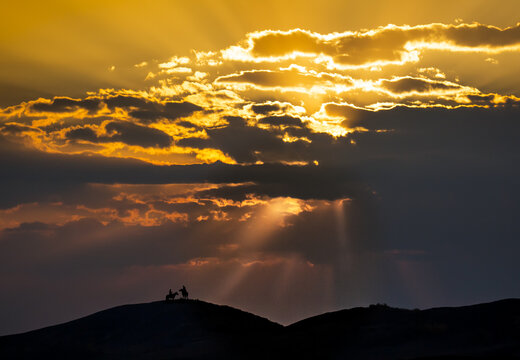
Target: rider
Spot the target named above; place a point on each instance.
(184, 292)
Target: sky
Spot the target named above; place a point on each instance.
(287, 158)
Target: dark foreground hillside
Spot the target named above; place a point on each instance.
(379, 332)
(185, 329)
(199, 330)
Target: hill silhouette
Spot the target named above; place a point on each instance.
(381, 332)
(185, 329)
(193, 329)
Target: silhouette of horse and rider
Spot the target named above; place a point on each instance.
(171, 296)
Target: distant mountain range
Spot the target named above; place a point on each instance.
(193, 329)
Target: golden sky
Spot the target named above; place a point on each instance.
(66, 48)
(366, 149)
(164, 109)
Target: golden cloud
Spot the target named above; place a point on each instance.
(263, 100)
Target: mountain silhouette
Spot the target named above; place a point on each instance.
(193, 329)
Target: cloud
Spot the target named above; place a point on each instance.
(385, 45)
(281, 120)
(247, 143)
(64, 104)
(82, 134)
(290, 78)
(126, 132)
(264, 109)
(418, 85)
(133, 134)
(170, 110)
(122, 125)
(138, 106)
(127, 101)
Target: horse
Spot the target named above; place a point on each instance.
(184, 292)
(171, 296)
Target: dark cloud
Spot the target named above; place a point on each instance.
(289, 78)
(248, 144)
(16, 128)
(32, 176)
(410, 84)
(140, 108)
(180, 109)
(483, 35)
(281, 120)
(145, 110)
(74, 122)
(303, 132)
(493, 100)
(400, 132)
(264, 109)
(188, 124)
(148, 111)
(127, 101)
(126, 132)
(302, 183)
(481, 98)
(475, 135)
(170, 110)
(133, 134)
(85, 133)
(63, 104)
